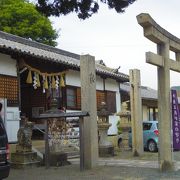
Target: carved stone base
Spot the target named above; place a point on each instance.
(23, 149)
(106, 151)
(23, 160)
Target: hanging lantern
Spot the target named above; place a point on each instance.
(62, 84)
(29, 77)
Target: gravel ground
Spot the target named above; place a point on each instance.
(134, 168)
(72, 172)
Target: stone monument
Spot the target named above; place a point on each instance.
(24, 156)
(136, 112)
(124, 125)
(88, 104)
(105, 147)
(57, 145)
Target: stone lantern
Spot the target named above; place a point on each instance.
(55, 131)
(124, 125)
(105, 147)
(56, 144)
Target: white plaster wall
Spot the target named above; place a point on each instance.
(99, 83)
(111, 85)
(73, 79)
(7, 65)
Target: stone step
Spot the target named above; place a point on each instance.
(71, 152)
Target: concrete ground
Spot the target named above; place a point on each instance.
(102, 172)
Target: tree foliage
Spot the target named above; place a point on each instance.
(83, 8)
(19, 17)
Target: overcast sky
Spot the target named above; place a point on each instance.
(118, 39)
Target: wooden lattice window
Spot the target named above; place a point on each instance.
(78, 98)
(111, 101)
(9, 89)
(73, 99)
(100, 97)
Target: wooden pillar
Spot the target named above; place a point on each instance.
(164, 110)
(88, 103)
(136, 113)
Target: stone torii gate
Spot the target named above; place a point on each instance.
(165, 42)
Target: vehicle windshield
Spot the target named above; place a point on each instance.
(157, 125)
(147, 126)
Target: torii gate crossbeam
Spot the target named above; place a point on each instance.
(165, 42)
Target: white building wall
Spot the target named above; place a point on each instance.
(7, 65)
(112, 85)
(73, 79)
(99, 83)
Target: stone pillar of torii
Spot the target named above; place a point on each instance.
(166, 42)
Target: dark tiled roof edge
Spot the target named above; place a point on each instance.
(73, 61)
(38, 45)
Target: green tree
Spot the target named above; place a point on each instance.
(19, 17)
(83, 8)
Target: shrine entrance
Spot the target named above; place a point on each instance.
(165, 42)
(41, 84)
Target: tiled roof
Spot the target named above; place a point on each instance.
(146, 92)
(16, 44)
